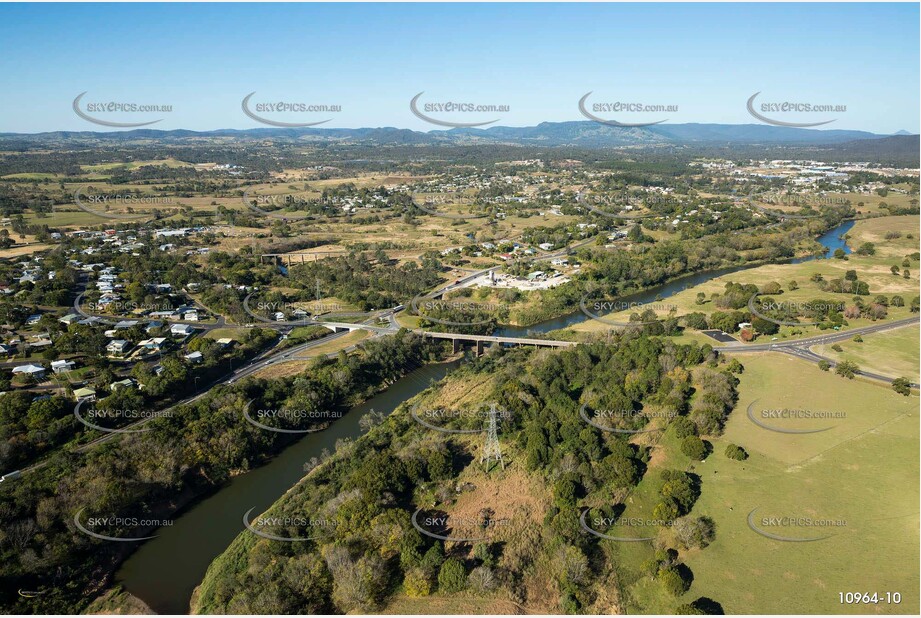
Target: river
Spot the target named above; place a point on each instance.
(164, 571)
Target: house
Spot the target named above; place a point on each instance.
(36, 371)
(559, 261)
(156, 324)
(546, 246)
(85, 394)
(182, 329)
(224, 342)
(62, 366)
(118, 347)
(69, 319)
(126, 383)
(125, 324)
(154, 343)
(195, 357)
(33, 319)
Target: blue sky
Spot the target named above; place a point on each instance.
(538, 59)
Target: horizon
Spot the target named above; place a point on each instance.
(433, 130)
(698, 63)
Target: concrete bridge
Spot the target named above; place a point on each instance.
(458, 339)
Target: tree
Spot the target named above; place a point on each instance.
(736, 452)
(694, 532)
(765, 327)
(696, 320)
(684, 427)
(866, 248)
(694, 447)
(894, 270)
(847, 369)
(452, 577)
(672, 581)
(902, 386)
(824, 365)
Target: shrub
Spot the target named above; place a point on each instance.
(736, 452)
(417, 583)
(902, 386)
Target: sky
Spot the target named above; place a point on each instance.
(536, 59)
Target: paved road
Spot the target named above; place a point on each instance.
(800, 348)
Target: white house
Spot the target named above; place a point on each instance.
(182, 329)
(36, 371)
(195, 357)
(117, 347)
(62, 366)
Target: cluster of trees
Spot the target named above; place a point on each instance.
(370, 487)
(369, 281)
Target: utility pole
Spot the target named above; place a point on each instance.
(491, 450)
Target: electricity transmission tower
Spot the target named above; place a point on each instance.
(491, 450)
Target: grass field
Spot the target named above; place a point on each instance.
(863, 471)
(893, 353)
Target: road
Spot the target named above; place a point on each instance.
(800, 348)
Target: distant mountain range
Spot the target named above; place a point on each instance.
(579, 133)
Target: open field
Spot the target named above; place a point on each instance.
(893, 353)
(863, 472)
